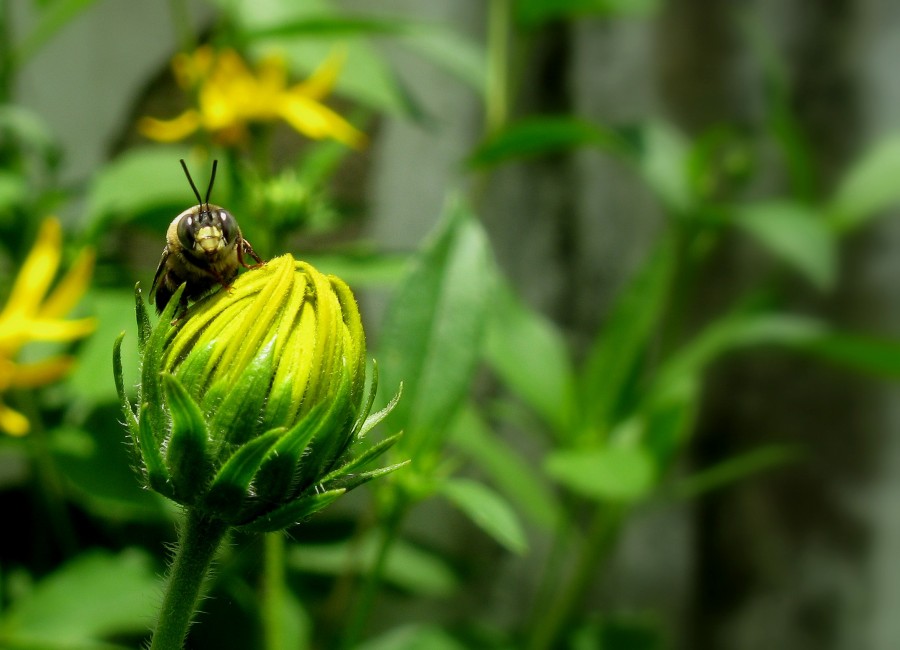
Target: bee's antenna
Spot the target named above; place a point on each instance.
(191, 180)
(212, 179)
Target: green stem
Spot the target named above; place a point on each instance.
(6, 53)
(273, 599)
(597, 544)
(496, 96)
(198, 541)
(366, 601)
(181, 22)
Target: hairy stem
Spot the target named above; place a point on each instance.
(198, 541)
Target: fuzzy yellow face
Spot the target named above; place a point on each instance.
(204, 248)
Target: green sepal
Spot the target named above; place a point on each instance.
(151, 385)
(375, 419)
(325, 450)
(351, 481)
(291, 513)
(277, 474)
(236, 419)
(370, 400)
(230, 488)
(127, 409)
(195, 367)
(154, 466)
(364, 458)
(143, 320)
(187, 457)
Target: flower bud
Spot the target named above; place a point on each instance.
(252, 402)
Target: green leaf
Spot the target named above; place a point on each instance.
(53, 18)
(869, 187)
(432, 333)
(796, 234)
(408, 567)
(151, 454)
(141, 181)
(529, 354)
(611, 474)
(292, 513)
(237, 418)
(488, 510)
(535, 12)
(26, 126)
(736, 468)
(414, 637)
(869, 354)
(541, 136)
(93, 597)
(514, 477)
(623, 339)
(663, 160)
(364, 458)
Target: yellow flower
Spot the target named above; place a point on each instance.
(31, 314)
(230, 96)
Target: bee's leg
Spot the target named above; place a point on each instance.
(245, 247)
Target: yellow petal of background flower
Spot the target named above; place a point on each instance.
(191, 69)
(41, 373)
(323, 78)
(178, 128)
(61, 330)
(13, 422)
(317, 121)
(37, 272)
(71, 288)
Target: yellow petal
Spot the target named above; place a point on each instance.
(37, 272)
(323, 78)
(59, 331)
(13, 422)
(317, 121)
(190, 69)
(71, 288)
(41, 373)
(178, 128)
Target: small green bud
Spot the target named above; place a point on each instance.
(252, 402)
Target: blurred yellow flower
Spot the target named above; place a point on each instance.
(31, 314)
(230, 95)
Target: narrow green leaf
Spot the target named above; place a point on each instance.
(663, 160)
(92, 597)
(432, 333)
(869, 188)
(514, 477)
(230, 488)
(151, 385)
(187, 455)
(624, 337)
(610, 474)
(541, 136)
(736, 468)
(53, 18)
(291, 513)
(408, 567)
(143, 320)
(796, 234)
(869, 354)
(414, 636)
(141, 181)
(529, 354)
(488, 510)
(535, 12)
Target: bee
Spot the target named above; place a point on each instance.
(204, 247)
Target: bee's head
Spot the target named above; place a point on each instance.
(206, 228)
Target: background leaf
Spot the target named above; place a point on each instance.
(615, 474)
(869, 187)
(487, 510)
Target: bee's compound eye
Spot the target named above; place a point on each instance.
(186, 231)
(229, 226)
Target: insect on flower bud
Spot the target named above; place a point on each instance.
(251, 404)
